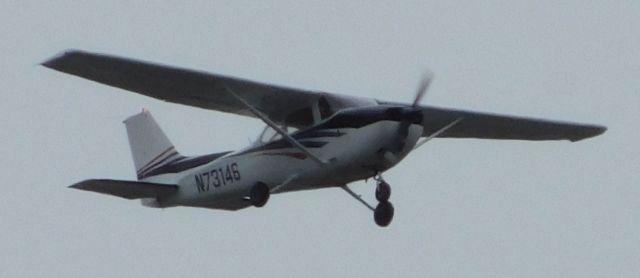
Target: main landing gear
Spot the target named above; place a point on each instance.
(383, 212)
(259, 194)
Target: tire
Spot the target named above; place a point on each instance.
(383, 214)
(383, 192)
(259, 194)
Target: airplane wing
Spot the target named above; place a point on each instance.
(493, 126)
(127, 189)
(291, 107)
(199, 89)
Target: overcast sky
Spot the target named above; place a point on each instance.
(464, 208)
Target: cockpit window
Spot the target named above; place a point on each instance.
(300, 117)
(268, 135)
(310, 115)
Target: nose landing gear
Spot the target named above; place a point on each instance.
(383, 212)
(383, 190)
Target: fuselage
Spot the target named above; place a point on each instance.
(357, 144)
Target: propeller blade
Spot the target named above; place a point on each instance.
(403, 128)
(422, 88)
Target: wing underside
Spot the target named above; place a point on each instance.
(292, 107)
(493, 126)
(283, 105)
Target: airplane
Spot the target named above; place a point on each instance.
(311, 140)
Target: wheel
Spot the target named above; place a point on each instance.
(259, 194)
(383, 214)
(383, 191)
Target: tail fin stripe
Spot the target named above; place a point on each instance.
(156, 158)
(151, 171)
(160, 165)
(168, 153)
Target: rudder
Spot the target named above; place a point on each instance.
(150, 147)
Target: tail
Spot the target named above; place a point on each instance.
(150, 147)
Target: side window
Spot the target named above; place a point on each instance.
(267, 135)
(305, 116)
(301, 117)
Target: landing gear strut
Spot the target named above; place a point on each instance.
(383, 190)
(383, 212)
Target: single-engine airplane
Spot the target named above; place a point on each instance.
(311, 140)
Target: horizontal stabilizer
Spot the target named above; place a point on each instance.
(127, 189)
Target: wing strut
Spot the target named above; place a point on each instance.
(438, 132)
(275, 127)
(284, 184)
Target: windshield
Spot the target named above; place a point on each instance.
(268, 135)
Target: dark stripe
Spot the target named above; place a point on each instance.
(155, 158)
(318, 134)
(281, 144)
(357, 118)
(154, 165)
(180, 165)
(160, 163)
(300, 156)
(313, 144)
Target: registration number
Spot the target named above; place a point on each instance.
(215, 178)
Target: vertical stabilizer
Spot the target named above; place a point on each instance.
(150, 147)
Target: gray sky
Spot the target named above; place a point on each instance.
(464, 208)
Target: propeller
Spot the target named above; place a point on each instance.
(403, 129)
(422, 88)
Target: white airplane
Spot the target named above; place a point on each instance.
(312, 139)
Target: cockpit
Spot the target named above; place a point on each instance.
(308, 115)
(296, 120)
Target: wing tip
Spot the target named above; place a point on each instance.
(56, 60)
(82, 185)
(590, 132)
